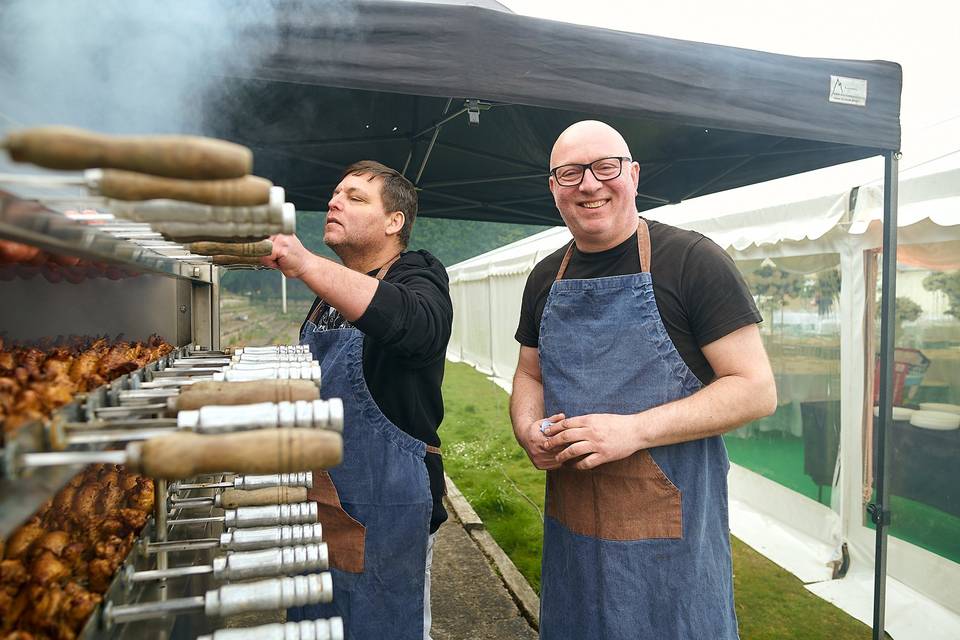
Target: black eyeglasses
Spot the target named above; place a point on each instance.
(571, 175)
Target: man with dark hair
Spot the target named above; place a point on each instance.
(379, 328)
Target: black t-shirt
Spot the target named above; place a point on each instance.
(699, 292)
(406, 329)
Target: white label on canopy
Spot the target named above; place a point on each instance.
(848, 90)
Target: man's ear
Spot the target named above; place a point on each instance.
(395, 221)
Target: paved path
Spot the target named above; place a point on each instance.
(470, 601)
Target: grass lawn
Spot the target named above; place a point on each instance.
(495, 475)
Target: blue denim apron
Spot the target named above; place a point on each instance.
(376, 511)
(638, 548)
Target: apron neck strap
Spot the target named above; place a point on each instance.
(566, 260)
(643, 248)
(386, 267)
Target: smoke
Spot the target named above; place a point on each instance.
(134, 66)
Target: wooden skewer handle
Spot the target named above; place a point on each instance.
(227, 261)
(201, 394)
(183, 455)
(189, 157)
(234, 192)
(233, 498)
(246, 249)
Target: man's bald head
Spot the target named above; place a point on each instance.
(591, 139)
(600, 212)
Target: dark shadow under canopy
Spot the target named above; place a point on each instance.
(313, 86)
(396, 81)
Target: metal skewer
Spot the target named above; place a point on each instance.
(245, 565)
(127, 411)
(238, 375)
(329, 629)
(265, 516)
(262, 595)
(247, 539)
(53, 459)
(106, 436)
(247, 482)
(89, 179)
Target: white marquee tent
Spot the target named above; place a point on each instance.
(806, 224)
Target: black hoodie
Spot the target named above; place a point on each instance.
(406, 329)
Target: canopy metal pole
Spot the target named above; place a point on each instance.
(433, 139)
(880, 510)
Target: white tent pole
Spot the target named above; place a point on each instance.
(491, 328)
(852, 308)
(283, 291)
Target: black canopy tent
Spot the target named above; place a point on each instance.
(468, 99)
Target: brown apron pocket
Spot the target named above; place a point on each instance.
(629, 499)
(344, 536)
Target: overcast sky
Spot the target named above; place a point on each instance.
(922, 35)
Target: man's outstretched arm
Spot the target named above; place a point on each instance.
(347, 291)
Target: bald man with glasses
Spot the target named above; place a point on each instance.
(639, 348)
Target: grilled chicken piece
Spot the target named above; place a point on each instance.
(141, 497)
(100, 574)
(80, 604)
(47, 568)
(74, 557)
(134, 519)
(128, 481)
(35, 381)
(12, 573)
(23, 538)
(111, 496)
(83, 366)
(85, 503)
(15, 610)
(54, 394)
(63, 501)
(60, 561)
(55, 542)
(9, 385)
(120, 359)
(32, 360)
(45, 604)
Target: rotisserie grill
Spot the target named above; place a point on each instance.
(146, 479)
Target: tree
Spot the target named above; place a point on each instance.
(906, 311)
(949, 284)
(774, 287)
(825, 290)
